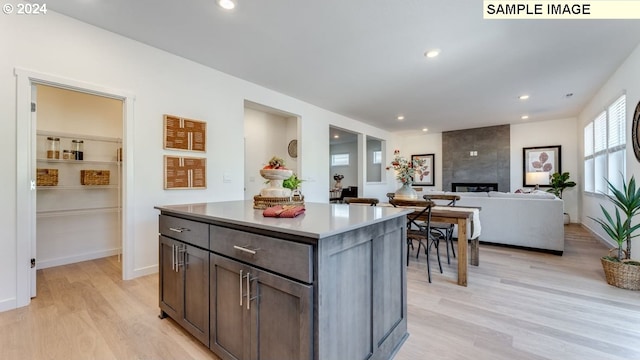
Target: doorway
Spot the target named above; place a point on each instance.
(268, 132)
(30, 143)
(344, 157)
(78, 176)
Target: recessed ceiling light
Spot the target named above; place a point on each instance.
(336, 136)
(524, 117)
(400, 117)
(523, 97)
(425, 129)
(432, 53)
(227, 4)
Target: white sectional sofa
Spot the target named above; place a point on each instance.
(532, 220)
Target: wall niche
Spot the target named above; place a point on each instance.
(480, 155)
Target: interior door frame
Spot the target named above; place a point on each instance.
(26, 165)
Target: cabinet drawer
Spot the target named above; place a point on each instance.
(191, 232)
(288, 258)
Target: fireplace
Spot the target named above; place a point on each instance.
(474, 187)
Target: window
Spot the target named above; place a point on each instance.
(340, 159)
(377, 157)
(604, 148)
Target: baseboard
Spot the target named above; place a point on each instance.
(148, 270)
(8, 304)
(43, 264)
(546, 251)
(607, 242)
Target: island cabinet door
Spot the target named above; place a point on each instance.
(171, 284)
(195, 316)
(281, 318)
(184, 286)
(258, 315)
(230, 337)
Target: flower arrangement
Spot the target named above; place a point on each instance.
(275, 163)
(405, 169)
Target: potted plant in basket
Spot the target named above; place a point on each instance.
(560, 182)
(619, 269)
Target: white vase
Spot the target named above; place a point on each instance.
(406, 192)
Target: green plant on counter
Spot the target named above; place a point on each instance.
(292, 183)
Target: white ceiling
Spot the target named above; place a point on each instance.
(364, 58)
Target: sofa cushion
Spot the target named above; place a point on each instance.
(536, 195)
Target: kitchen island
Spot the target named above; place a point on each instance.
(328, 284)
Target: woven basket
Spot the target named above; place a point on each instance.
(620, 274)
(46, 177)
(94, 177)
(261, 202)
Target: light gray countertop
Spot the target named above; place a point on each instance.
(320, 220)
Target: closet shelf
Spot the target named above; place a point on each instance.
(79, 162)
(78, 187)
(81, 211)
(79, 136)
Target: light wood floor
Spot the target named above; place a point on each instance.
(518, 305)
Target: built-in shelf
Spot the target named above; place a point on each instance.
(72, 212)
(78, 187)
(79, 136)
(80, 162)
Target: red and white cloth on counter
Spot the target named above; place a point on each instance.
(283, 211)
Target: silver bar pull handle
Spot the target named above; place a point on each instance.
(248, 292)
(180, 256)
(240, 288)
(173, 257)
(244, 248)
(178, 230)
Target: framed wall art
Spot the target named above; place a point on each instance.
(545, 159)
(184, 134)
(635, 132)
(425, 176)
(185, 172)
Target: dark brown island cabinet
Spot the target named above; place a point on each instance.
(329, 284)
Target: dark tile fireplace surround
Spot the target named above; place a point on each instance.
(476, 160)
(474, 187)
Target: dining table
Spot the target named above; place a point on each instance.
(467, 219)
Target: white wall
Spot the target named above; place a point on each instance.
(553, 132)
(625, 79)
(420, 144)
(161, 84)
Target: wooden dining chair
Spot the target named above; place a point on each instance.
(445, 229)
(419, 229)
(356, 200)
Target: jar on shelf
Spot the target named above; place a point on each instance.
(53, 149)
(68, 155)
(78, 149)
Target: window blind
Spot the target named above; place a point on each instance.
(616, 125)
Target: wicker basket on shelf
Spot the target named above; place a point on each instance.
(94, 177)
(46, 177)
(261, 202)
